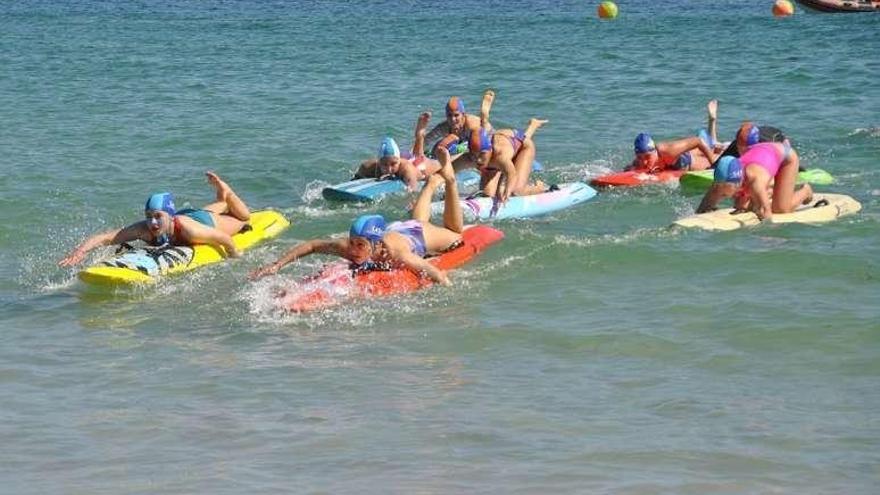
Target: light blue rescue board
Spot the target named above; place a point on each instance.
(483, 208)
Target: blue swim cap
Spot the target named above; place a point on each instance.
(370, 227)
(751, 132)
(161, 202)
(389, 148)
(644, 143)
(754, 135)
(728, 169)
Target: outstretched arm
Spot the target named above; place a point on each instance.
(116, 236)
(760, 194)
(711, 199)
(324, 246)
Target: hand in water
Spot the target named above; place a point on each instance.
(263, 271)
(71, 259)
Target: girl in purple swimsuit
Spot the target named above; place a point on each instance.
(505, 160)
(371, 244)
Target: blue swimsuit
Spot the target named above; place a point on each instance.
(202, 216)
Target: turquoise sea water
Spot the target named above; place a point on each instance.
(593, 351)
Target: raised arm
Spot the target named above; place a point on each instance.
(679, 146)
(324, 246)
(117, 236)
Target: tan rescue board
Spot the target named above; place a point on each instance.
(823, 208)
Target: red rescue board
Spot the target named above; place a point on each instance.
(337, 282)
(635, 178)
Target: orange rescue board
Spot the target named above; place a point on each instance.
(635, 178)
(337, 282)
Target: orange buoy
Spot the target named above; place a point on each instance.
(783, 8)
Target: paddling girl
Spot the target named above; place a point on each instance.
(505, 160)
(691, 153)
(164, 225)
(750, 177)
(390, 163)
(373, 244)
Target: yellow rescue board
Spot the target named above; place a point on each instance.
(824, 208)
(147, 265)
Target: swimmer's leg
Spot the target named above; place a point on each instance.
(419, 138)
(784, 200)
(489, 180)
(712, 124)
(453, 218)
(522, 162)
(802, 196)
(486, 107)
(534, 125)
(227, 201)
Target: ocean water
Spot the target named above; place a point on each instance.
(593, 351)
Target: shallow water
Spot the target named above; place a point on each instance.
(595, 350)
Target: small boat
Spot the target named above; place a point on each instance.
(842, 5)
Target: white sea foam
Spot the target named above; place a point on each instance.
(866, 131)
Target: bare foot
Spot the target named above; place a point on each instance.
(222, 188)
(446, 171)
(712, 107)
(537, 123)
(534, 124)
(488, 99)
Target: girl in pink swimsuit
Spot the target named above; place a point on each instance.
(757, 168)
